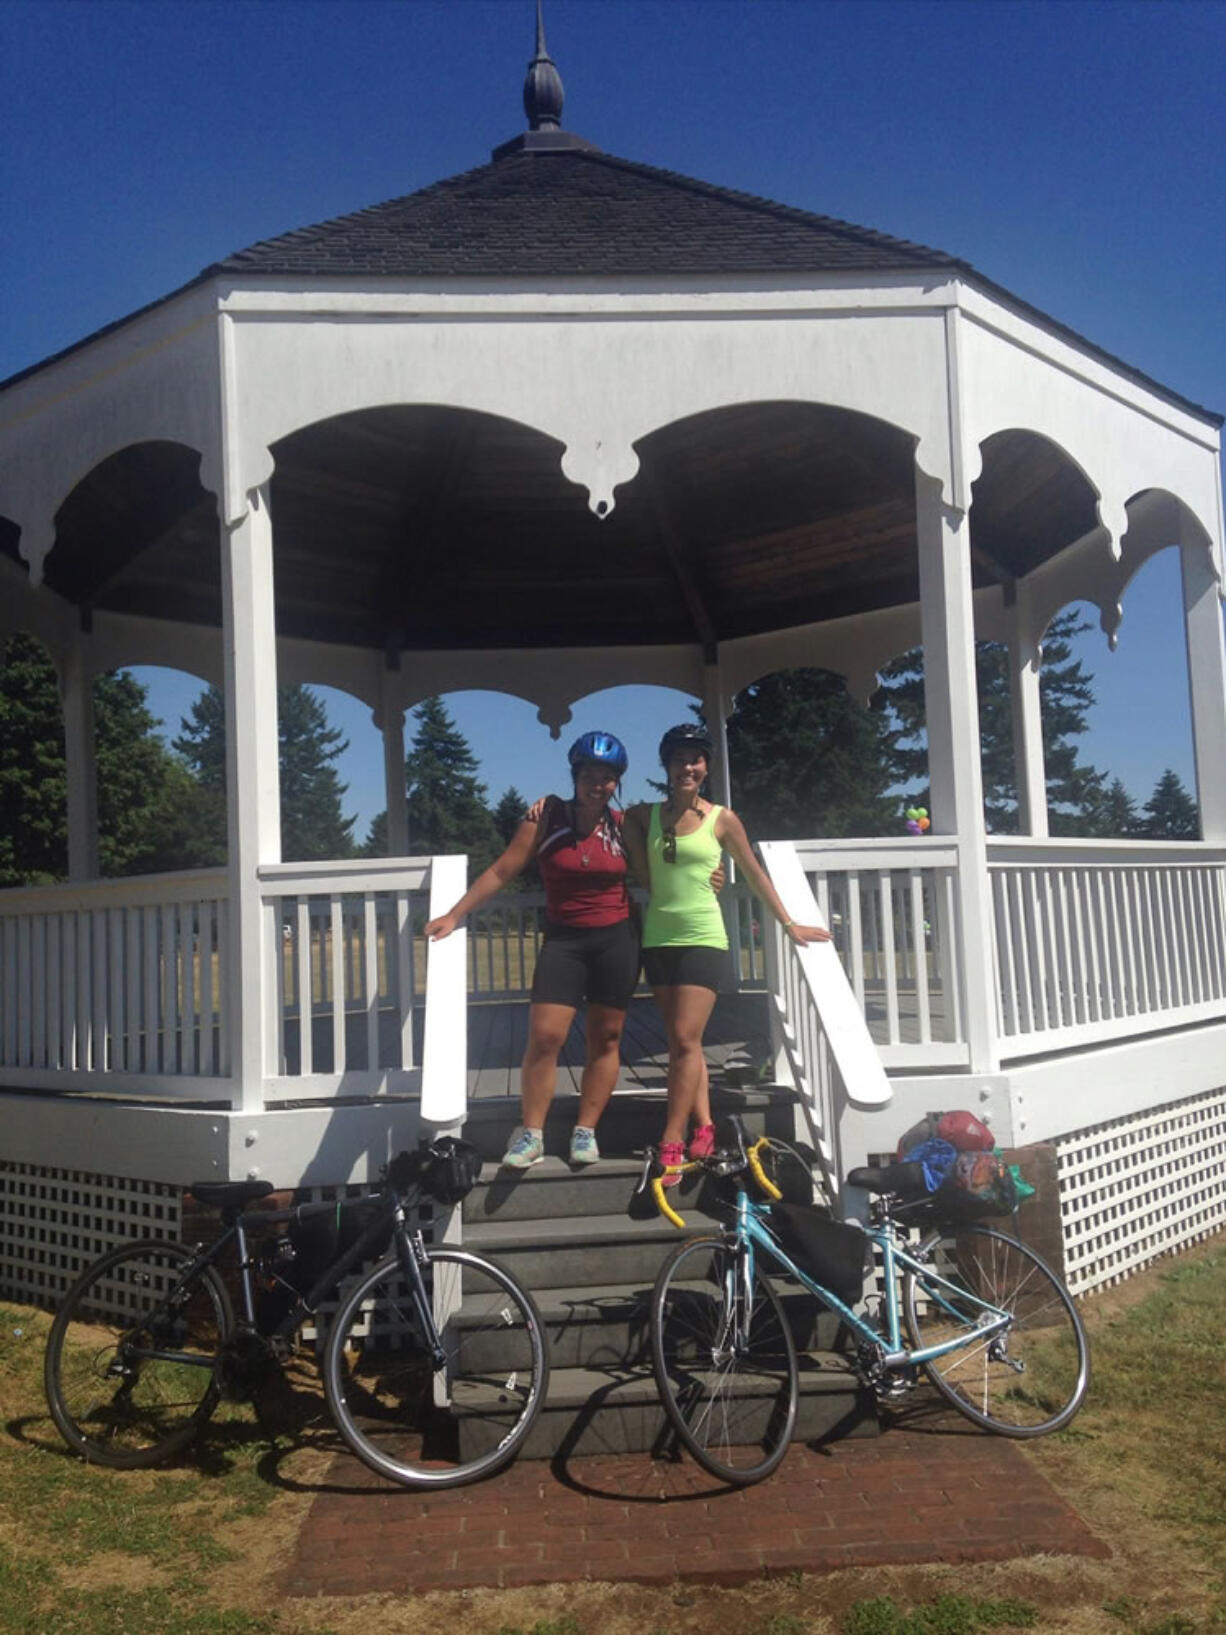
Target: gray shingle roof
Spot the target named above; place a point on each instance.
(574, 210)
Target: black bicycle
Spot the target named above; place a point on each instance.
(434, 1365)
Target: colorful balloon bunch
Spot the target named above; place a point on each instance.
(918, 822)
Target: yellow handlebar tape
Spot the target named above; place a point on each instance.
(755, 1166)
(662, 1203)
(759, 1174)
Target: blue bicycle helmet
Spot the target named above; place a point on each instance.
(600, 747)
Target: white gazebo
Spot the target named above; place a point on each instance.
(555, 424)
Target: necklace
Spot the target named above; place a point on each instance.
(585, 857)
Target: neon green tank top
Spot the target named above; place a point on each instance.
(683, 911)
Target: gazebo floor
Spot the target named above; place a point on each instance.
(498, 1032)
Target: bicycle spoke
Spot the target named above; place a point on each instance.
(1024, 1378)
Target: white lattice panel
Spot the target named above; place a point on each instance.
(53, 1222)
(1141, 1187)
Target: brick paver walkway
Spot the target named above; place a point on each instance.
(909, 1496)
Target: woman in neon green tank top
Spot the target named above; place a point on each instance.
(676, 844)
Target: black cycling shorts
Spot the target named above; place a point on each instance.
(587, 964)
(699, 967)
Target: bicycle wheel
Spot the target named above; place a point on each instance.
(428, 1427)
(1032, 1376)
(132, 1364)
(724, 1360)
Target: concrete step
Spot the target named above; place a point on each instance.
(551, 1190)
(632, 1120)
(595, 1249)
(618, 1410)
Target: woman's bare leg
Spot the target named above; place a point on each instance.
(548, 1026)
(686, 1012)
(604, 1039)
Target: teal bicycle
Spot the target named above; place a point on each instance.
(986, 1321)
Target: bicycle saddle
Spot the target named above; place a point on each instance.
(905, 1179)
(229, 1194)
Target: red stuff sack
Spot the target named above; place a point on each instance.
(963, 1131)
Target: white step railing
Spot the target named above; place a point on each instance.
(818, 1020)
(1099, 940)
(119, 984)
(892, 909)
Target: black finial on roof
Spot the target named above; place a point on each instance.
(543, 106)
(543, 87)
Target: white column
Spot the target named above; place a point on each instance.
(716, 716)
(391, 721)
(1029, 769)
(77, 698)
(253, 795)
(1202, 610)
(951, 708)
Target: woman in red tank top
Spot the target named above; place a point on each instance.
(589, 955)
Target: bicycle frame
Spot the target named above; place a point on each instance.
(753, 1235)
(409, 1251)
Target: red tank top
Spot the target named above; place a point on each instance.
(584, 880)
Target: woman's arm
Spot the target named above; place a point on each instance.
(634, 839)
(730, 832)
(500, 873)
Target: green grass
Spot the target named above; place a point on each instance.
(945, 1615)
(1158, 1379)
(63, 1516)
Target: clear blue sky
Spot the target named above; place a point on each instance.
(1069, 149)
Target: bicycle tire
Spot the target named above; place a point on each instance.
(1032, 1378)
(734, 1411)
(382, 1387)
(113, 1398)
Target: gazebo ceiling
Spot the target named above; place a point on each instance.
(432, 527)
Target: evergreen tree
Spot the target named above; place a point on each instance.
(375, 844)
(33, 781)
(1170, 812)
(1074, 790)
(147, 802)
(149, 808)
(806, 759)
(509, 814)
(1113, 814)
(313, 826)
(447, 805)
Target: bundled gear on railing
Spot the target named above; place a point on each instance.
(963, 1175)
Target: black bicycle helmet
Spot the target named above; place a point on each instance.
(689, 735)
(601, 748)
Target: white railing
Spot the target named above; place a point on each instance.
(892, 909)
(818, 1020)
(357, 1015)
(116, 983)
(504, 938)
(1098, 940)
(125, 985)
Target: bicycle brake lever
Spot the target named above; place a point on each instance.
(645, 1177)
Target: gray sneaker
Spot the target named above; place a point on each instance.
(583, 1148)
(526, 1148)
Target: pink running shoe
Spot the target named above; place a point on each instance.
(672, 1156)
(702, 1142)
